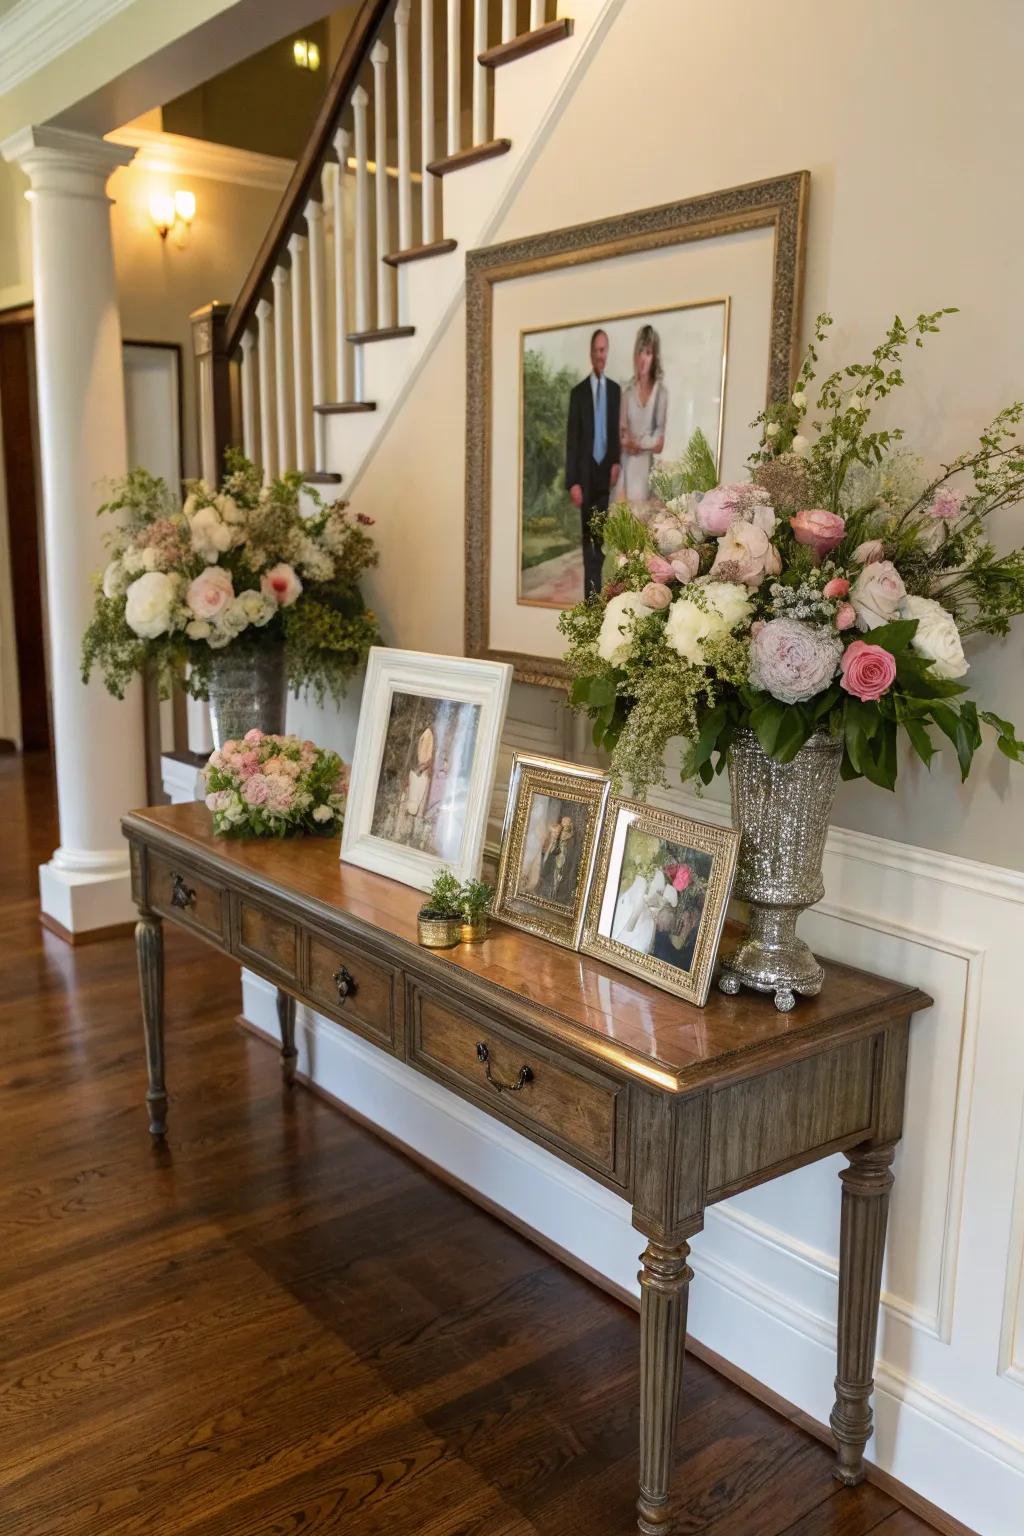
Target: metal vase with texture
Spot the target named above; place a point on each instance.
(247, 691)
(782, 812)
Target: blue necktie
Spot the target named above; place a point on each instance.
(600, 424)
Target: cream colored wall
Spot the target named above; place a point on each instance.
(910, 120)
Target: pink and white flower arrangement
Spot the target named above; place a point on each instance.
(241, 566)
(271, 786)
(832, 591)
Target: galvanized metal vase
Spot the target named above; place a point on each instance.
(247, 690)
(782, 812)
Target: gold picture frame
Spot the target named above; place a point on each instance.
(665, 924)
(553, 820)
(778, 205)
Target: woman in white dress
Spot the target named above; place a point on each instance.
(642, 417)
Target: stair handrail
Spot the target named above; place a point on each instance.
(291, 210)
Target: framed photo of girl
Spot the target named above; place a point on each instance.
(592, 352)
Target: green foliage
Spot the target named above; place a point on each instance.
(545, 413)
(476, 898)
(444, 899)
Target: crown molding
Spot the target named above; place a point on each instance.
(35, 32)
(177, 155)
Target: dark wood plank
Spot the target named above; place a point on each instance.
(467, 157)
(420, 252)
(383, 333)
(526, 43)
(345, 407)
(321, 477)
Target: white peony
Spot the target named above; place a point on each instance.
(199, 629)
(800, 399)
(254, 608)
(229, 509)
(133, 562)
(772, 429)
(706, 610)
(616, 637)
(149, 604)
(210, 536)
(800, 446)
(323, 813)
(937, 639)
(114, 579)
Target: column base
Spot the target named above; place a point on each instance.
(76, 905)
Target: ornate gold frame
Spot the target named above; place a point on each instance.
(779, 204)
(722, 843)
(566, 781)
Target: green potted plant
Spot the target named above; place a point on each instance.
(476, 904)
(440, 919)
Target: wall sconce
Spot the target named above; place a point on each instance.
(173, 213)
(305, 53)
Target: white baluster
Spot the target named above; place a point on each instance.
(285, 457)
(402, 10)
(454, 76)
(299, 253)
(250, 446)
(318, 320)
(362, 241)
(427, 114)
(385, 298)
(265, 360)
(480, 81)
(338, 183)
(509, 21)
(537, 14)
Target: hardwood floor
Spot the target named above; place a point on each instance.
(279, 1325)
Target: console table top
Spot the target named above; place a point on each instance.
(649, 1033)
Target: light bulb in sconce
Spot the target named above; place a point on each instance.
(161, 211)
(185, 206)
(306, 54)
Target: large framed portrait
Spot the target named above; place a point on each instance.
(659, 896)
(548, 846)
(423, 767)
(594, 352)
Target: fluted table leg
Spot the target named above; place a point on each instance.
(866, 1186)
(149, 949)
(664, 1289)
(286, 1019)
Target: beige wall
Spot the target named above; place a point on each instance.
(910, 120)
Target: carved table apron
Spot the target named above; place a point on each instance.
(672, 1107)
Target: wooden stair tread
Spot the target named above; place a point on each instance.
(345, 407)
(526, 43)
(464, 158)
(382, 333)
(321, 477)
(420, 252)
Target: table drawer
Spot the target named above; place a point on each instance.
(179, 892)
(267, 940)
(360, 992)
(568, 1106)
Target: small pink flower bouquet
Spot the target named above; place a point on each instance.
(272, 786)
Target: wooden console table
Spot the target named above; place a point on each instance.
(672, 1107)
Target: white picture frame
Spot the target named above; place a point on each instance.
(414, 702)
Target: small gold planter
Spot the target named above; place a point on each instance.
(472, 933)
(438, 932)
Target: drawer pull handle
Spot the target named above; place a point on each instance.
(524, 1076)
(182, 895)
(345, 983)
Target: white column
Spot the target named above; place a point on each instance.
(480, 81)
(454, 76)
(339, 186)
(402, 11)
(360, 101)
(428, 191)
(509, 23)
(285, 458)
(385, 304)
(318, 319)
(537, 16)
(265, 359)
(99, 749)
(300, 351)
(250, 445)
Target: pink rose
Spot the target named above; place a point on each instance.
(280, 795)
(685, 565)
(877, 594)
(947, 504)
(255, 735)
(678, 876)
(218, 800)
(281, 584)
(846, 616)
(837, 587)
(716, 509)
(209, 594)
(868, 671)
(656, 595)
(821, 531)
(869, 552)
(256, 790)
(659, 568)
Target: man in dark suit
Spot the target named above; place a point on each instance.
(592, 452)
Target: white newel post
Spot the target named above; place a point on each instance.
(99, 749)
(427, 189)
(385, 306)
(402, 14)
(250, 444)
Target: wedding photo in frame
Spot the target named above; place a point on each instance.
(592, 352)
(548, 846)
(659, 896)
(424, 762)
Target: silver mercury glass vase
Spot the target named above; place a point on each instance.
(247, 690)
(782, 812)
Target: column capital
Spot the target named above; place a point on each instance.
(60, 160)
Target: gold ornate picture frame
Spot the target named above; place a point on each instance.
(659, 896)
(549, 842)
(500, 308)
